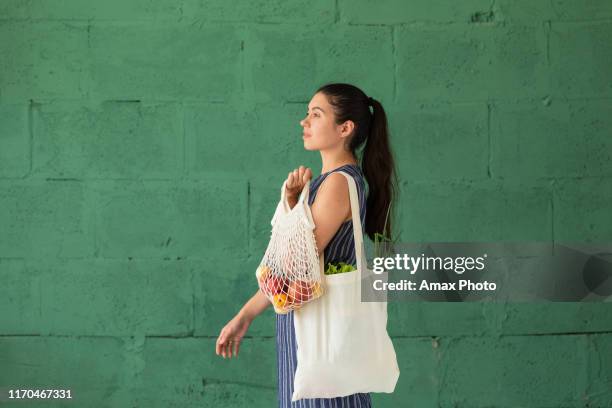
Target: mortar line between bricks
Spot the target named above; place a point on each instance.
(193, 302)
(489, 139)
(183, 128)
(596, 97)
(248, 217)
(31, 136)
(336, 11)
(497, 335)
(121, 336)
(552, 213)
(214, 337)
(547, 28)
(216, 23)
(206, 380)
(583, 384)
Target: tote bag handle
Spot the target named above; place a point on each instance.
(356, 217)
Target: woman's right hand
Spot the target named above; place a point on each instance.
(296, 180)
(228, 342)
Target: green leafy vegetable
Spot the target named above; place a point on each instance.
(339, 267)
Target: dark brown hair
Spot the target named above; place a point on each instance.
(371, 138)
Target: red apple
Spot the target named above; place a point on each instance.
(275, 285)
(299, 291)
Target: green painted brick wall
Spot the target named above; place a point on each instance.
(143, 145)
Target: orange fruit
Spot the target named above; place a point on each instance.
(281, 311)
(280, 300)
(262, 272)
(317, 290)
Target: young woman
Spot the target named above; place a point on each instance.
(338, 123)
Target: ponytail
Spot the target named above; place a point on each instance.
(378, 167)
(377, 162)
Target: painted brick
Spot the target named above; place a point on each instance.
(416, 11)
(581, 210)
(92, 368)
(187, 371)
(599, 392)
(156, 219)
(414, 319)
(571, 44)
(261, 11)
(470, 63)
(19, 298)
(108, 140)
(551, 139)
(418, 383)
(513, 371)
(322, 54)
(164, 61)
(535, 12)
(263, 201)
(440, 141)
(475, 211)
(222, 285)
(116, 297)
(14, 140)
(556, 317)
(43, 60)
(78, 10)
(263, 141)
(45, 219)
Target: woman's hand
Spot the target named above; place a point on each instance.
(296, 180)
(228, 342)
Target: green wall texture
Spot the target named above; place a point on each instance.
(142, 149)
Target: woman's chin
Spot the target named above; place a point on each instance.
(308, 145)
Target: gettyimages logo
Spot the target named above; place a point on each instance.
(413, 264)
(505, 272)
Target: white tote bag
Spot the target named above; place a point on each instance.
(342, 343)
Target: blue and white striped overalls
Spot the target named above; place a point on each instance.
(341, 248)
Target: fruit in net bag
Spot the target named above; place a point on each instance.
(299, 291)
(262, 273)
(291, 256)
(274, 285)
(280, 300)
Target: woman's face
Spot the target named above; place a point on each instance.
(320, 130)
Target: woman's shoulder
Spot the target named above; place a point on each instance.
(337, 182)
(334, 182)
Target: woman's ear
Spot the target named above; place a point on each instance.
(346, 129)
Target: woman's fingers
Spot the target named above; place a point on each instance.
(290, 180)
(218, 345)
(231, 348)
(307, 175)
(221, 345)
(297, 179)
(227, 348)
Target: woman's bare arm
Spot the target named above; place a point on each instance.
(332, 206)
(255, 306)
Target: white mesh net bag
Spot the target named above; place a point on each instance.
(290, 273)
